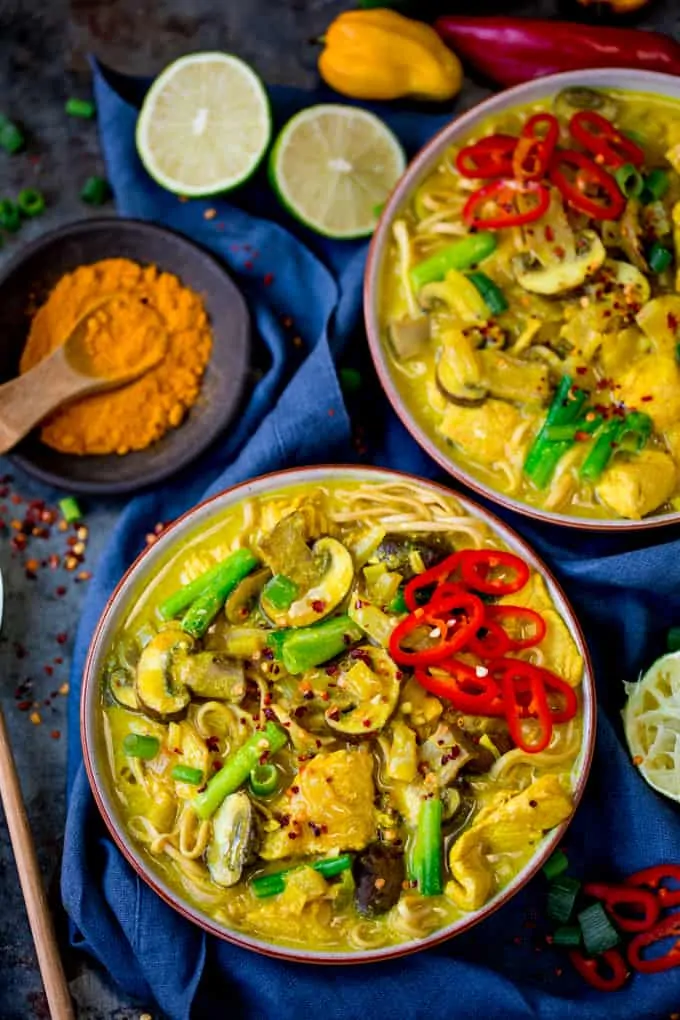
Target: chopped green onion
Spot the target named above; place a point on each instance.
(31, 202)
(460, 255)
(635, 430)
(567, 935)
(303, 648)
(138, 745)
(562, 433)
(70, 510)
(673, 639)
(656, 186)
(350, 380)
(207, 605)
(398, 603)
(659, 258)
(493, 296)
(185, 774)
(281, 591)
(602, 450)
(275, 882)
(264, 779)
(11, 137)
(83, 108)
(629, 181)
(599, 934)
(562, 896)
(10, 217)
(544, 456)
(555, 865)
(95, 191)
(238, 767)
(426, 856)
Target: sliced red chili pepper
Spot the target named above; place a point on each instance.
(524, 695)
(452, 618)
(654, 877)
(519, 616)
(464, 687)
(437, 574)
(556, 685)
(599, 136)
(476, 566)
(643, 906)
(534, 150)
(607, 972)
(500, 196)
(488, 158)
(490, 641)
(591, 190)
(666, 929)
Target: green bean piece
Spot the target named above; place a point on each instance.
(629, 180)
(426, 859)
(10, 217)
(560, 433)
(83, 108)
(494, 298)
(185, 774)
(95, 191)
(183, 597)
(305, 647)
(264, 779)
(275, 882)
(544, 456)
(660, 258)
(463, 254)
(602, 450)
(70, 510)
(237, 768)
(11, 137)
(207, 605)
(139, 745)
(281, 591)
(635, 432)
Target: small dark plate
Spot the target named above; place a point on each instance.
(26, 282)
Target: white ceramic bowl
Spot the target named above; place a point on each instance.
(424, 163)
(147, 566)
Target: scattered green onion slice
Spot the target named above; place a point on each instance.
(599, 934)
(629, 180)
(10, 217)
(275, 882)
(656, 186)
(31, 202)
(398, 603)
(561, 433)
(281, 591)
(555, 865)
(83, 108)
(95, 191)
(264, 779)
(138, 745)
(11, 137)
(185, 774)
(70, 510)
(659, 258)
(562, 898)
(350, 380)
(673, 639)
(568, 935)
(493, 296)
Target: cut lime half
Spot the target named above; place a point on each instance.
(651, 720)
(205, 125)
(333, 166)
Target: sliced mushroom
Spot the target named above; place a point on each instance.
(580, 97)
(243, 599)
(459, 295)
(632, 282)
(232, 846)
(365, 695)
(632, 234)
(378, 873)
(411, 555)
(409, 337)
(515, 380)
(335, 573)
(122, 687)
(459, 373)
(210, 675)
(156, 685)
(285, 550)
(566, 275)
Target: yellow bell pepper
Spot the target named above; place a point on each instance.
(379, 54)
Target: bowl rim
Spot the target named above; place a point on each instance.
(89, 706)
(629, 79)
(151, 476)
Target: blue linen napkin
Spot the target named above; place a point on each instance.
(625, 590)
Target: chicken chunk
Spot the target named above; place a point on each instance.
(481, 432)
(652, 385)
(514, 824)
(559, 648)
(637, 486)
(329, 807)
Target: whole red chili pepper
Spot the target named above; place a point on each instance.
(488, 158)
(665, 929)
(654, 877)
(608, 203)
(534, 150)
(514, 50)
(644, 904)
(608, 978)
(501, 195)
(599, 136)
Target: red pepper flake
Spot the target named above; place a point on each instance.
(217, 765)
(581, 370)
(19, 650)
(559, 251)
(297, 341)
(549, 233)
(60, 591)
(292, 835)
(581, 437)
(268, 279)
(24, 706)
(84, 575)
(14, 498)
(318, 605)
(248, 264)
(210, 214)
(213, 743)
(558, 972)
(672, 321)
(517, 940)
(55, 734)
(62, 638)
(49, 670)
(646, 399)
(331, 412)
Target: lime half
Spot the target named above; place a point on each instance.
(333, 166)
(651, 720)
(205, 124)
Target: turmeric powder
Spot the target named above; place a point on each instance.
(135, 415)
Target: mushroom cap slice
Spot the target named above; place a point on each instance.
(566, 275)
(233, 839)
(157, 688)
(327, 592)
(366, 695)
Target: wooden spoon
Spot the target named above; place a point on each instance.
(69, 373)
(54, 981)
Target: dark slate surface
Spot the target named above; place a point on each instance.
(42, 61)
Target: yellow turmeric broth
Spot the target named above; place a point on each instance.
(592, 303)
(364, 744)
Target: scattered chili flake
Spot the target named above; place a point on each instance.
(582, 437)
(518, 940)
(84, 575)
(549, 233)
(248, 264)
(60, 591)
(71, 562)
(331, 412)
(292, 835)
(217, 765)
(638, 759)
(318, 605)
(64, 689)
(24, 706)
(210, 214)
(646, 399)
(16, 499)
(581, 370)
(213, 743)
(62, 638)
(558, 972)
(297, 341)
(268, 279)
(20, 650)
(62, 525)
(49, 670)
(35, 718)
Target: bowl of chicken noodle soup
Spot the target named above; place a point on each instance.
(522, 299)
(337, 714)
